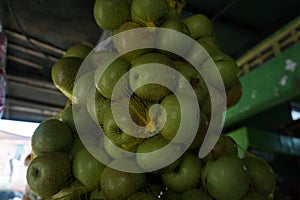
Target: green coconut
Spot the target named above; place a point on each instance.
(165, 39)
(111, 14)
(225, 146)
(128, 41)
(262, 176)
(149, 12)
(138, 75)
(226, 178)
(199, 25)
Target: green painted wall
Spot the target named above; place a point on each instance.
(273, 83)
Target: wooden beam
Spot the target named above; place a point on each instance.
(31, 52)
(25, 62)
(34, 41)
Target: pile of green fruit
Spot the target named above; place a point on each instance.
(63, 166)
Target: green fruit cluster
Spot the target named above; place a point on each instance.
(120, 16)
(64, 167)
(61, 166)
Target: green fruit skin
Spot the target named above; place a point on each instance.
(83, 86)
(202, 130)
(96, 106)
(66, 116)
(76, 147)
(51, 135)
(197, 55)
(186, 175)
(195, 194)
(116, 135)
(97, 58)
(199, 25)
(142, 196)
(234, 94)
(106, 83)
(151, 92)
(64, 73)
(49, 173)
(78, 51)
(124, 42)
(210, 41)
(254, 196)
(112, 150)
(173, 14)
(149, 12)
(150, 145)
(226, 178)
(193, 77)
(227, 68)
(225, 146)
(97, 194)
(87, 169)
(86, 127)
(118, 185)
(228, 72)
(173, 111)
(262, 176)
(111, 14)
(165, 39)
(206, 105)
(210, 47)
(221, 56)
(208, 157)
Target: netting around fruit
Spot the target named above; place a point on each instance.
(144, 104)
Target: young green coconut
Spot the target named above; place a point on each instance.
(111, 14)
(149, 13)
(96, 106)
(234, 94)
(225, 146)
(116, 135)
(50, 136)
(49, 173)
(64, 73)
(126, 41)
(117, 185)
(78, 50)
(193, 77)
(226, 178)
(262, 176)
(138, 75)
(106, 80)
(199, 25)
(165, 39)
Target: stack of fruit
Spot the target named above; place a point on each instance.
(94, 123)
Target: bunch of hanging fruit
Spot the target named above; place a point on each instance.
(66, 167)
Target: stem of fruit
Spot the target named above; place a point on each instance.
(177, 4)
(150, 24)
